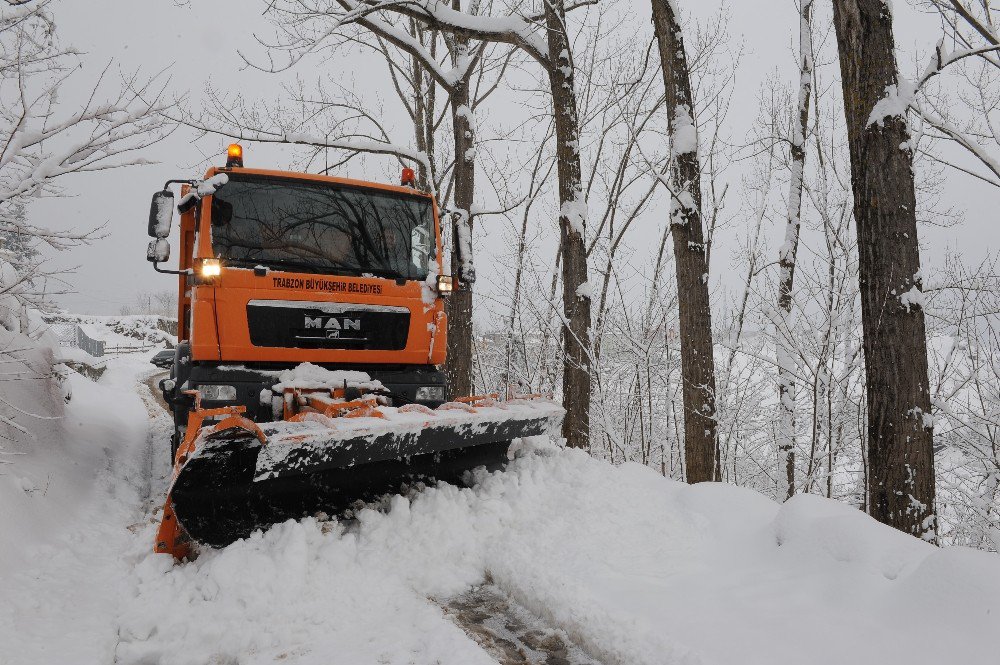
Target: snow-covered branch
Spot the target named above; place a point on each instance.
(43, 139)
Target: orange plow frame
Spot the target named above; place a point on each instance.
(298, 403)
(170, 537)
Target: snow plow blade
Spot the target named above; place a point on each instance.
(239, 478)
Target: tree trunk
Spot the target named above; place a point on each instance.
(786, 263)
(459, 366)
(701, 444)
(572, 227)
(420, 120)
(900, 437)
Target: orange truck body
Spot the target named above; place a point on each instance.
(213, 316)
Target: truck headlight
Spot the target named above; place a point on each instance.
(430, 394)
(211, 268)
(445, 284)
(217, 393)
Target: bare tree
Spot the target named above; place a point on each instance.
(572, 229)
(697, 360)
(157, 303)
(962, 115)
(786, 260)
(41, 143)
(962, 312)
(900, 439)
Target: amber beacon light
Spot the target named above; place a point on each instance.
(409, 178)
(234, 155)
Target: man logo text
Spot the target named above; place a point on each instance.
(333, 323)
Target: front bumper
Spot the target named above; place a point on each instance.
(254, 386)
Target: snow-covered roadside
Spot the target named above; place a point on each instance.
(634, 568)
(637, 569)
(62, 569)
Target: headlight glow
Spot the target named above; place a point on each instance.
(445, 284)
(211, 268)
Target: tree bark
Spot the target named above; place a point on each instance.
(572, 227)
(420, 121)
(786, 263)
(459, 366)
(900, 437)
(701, 444)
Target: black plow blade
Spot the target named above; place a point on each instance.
(233, 484)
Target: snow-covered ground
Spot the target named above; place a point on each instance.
(61, 565)
(634, 568)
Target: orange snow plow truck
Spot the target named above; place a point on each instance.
(308, 372)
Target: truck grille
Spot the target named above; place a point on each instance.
(312, 325)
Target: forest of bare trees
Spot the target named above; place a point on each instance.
(816, 353)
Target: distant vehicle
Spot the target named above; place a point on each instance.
(163, 359)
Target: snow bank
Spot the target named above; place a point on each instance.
(636, 568)
(66, 500)
(32, 447)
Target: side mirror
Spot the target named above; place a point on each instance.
(158, 251)
(161, 214)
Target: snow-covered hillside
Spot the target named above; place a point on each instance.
(632, 567)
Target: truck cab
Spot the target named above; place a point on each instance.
(278, 268)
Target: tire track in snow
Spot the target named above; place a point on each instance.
(153, 383)
(151, 401)
(157, 452)
(510, 633)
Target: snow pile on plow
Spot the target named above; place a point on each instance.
(632, 567)
(314, 377)
(293, 445)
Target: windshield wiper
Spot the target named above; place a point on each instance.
(382, 272)
(246, 262)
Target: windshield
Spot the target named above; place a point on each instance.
(322, 228)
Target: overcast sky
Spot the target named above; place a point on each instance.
(198, 43)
